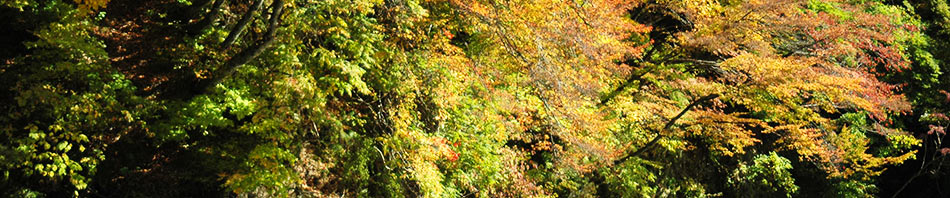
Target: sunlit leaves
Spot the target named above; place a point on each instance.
(768, 175)
(457, 98)
(67, 105)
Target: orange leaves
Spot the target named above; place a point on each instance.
(848, 156)
(535, 69)
(549, 37)
(798, 137)
(793, 91)
(868, 38)
(728, 134)
(544, 63)
(446, 148)
(728, 29)
(810, 83)
(786, 67)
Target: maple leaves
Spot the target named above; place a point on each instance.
(509, 97)
(552, 60)
(785, 69)
(728, 29)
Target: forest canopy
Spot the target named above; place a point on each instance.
(474, 98)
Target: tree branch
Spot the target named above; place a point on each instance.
(919, 172)
(242, 24)
(248, 54)
(206, 22)
(696, 61)
(633, 77)
(666, 127)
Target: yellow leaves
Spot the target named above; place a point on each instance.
(728, 134)
(804, 82)
(542, 64)
(792, 90)
(841, 154)
(91, 5)
(850, 157)
(765, 68)
(232, 180)
(732, 28)
(427, 175)
(543, 33)
(421, 157)
(805, 141)
(699, 8)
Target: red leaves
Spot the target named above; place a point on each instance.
(867, 37)
(447, 151)
(936, 129)
(941, 116)
(453, 156)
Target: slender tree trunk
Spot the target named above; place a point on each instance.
(209, 19)
(242, 24)
(246, 55)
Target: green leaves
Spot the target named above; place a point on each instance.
(767, 176)
(68, 103)
(458, 98)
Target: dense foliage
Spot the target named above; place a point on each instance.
(474, 98)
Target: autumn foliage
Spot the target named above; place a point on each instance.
(461, 98)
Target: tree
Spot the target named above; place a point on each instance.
(457, 98)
